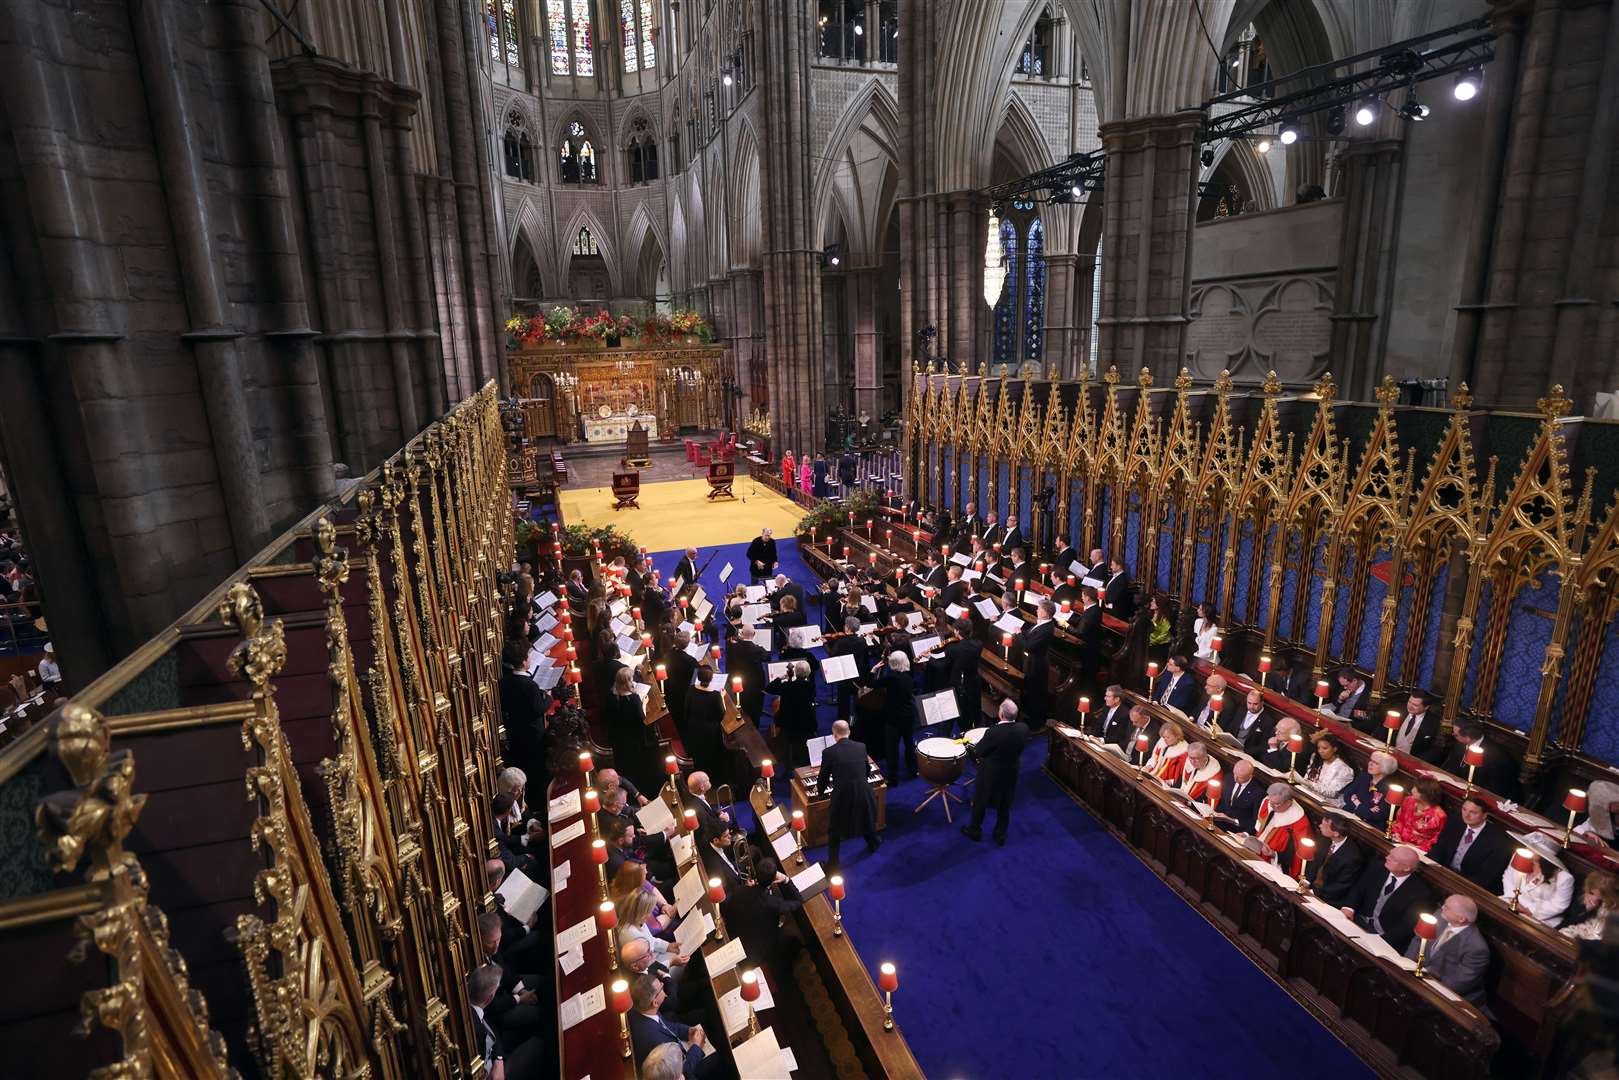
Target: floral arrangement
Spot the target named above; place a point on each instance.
(579, 540)
(562, 324)
(830, 514)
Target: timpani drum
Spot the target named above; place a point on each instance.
(940, 761)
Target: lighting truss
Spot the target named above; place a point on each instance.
(1057, 183)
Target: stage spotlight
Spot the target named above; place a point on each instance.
(1076, 191)
(1467, 85)
(859, 30)
(1336, 117)
(726, 78)
(1290, 133)
(1414, 109)
(1207, 157)
(1365, 113)
(1263, 146)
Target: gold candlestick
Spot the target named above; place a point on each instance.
(1422, 953)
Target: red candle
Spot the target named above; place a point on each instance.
(715, 652)
(1396, 795)
(1217, 702)
(562, 604)
(586, 763)
(750, 985)
(598, 852)
(1321, 688)
(1215, 643)
(1427, 927)
(592, 800)
(1066, 608)
(671, 765)
(798, 821)
(888, 978)
(767, 768)
(716, 891)
(606, 916)
(621, 996)
(888, 536)
(1474, 755)
(736, 684)
(996, 547)
(571, 653)
(661, 672)
(946, 550)
(1214, 791)
(1523, 860)
(1392, 720)
(1084, 705)
(635, 613)
(1018, 584)
(1152, 670)
(1295, 743)
(1575, 801)
(690, 817)
(1264, 665)
(1073, 580)
(646, 640)
(873, 558)
(567, 633)
(1307, 849)
(672, 582)
(1142, 742)
(846, 552)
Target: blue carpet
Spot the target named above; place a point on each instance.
(1059, 955)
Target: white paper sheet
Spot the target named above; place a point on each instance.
(568, 835)
(697, 650)
(682, 848)
(756, 593)
(761, 637)
(655, 816)
(725, 958)
(688, 890)
(1094, 582)
(700, 610)
(915, 620)
(869, 603)
(987, 608)
(784, 846)
(522, 896)
(725, 574)
(970, 574)
(582, 1006)
(961, 558)
(778, 669)
(925, 645)
(571, 960)
(564, 806)
(545, 623)
(760, 1058)
(773, 820)
(1009, 623)
(809, 877)
(719, 684)
(735, 1011)
(1079, 569)
(546, 600)
(618, 607)
(692, 932)
(938, 708)
(954, 611)
(804, 637)
(576, 935)
(836, 669)
(753, 614)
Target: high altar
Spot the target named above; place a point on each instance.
(575, 392)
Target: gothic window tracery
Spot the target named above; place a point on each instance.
(635, 30)
(577, 156)
(519, 149)
(1020, 313)
(505, 40)
(1036, 58)
(570, 37)
(584, 243)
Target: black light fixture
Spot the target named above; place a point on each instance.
(1414, 109)
(1468, 84)
(1289, 133)
(1337, 117)
(1366, 112)
(1206, 157)
(832, 257)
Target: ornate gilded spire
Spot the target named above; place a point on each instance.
(1144, 380)
(1183, 381)
(1462, 399)
(1272, 385)
(93, 819)
(1554, 405)
(1387, 393)
(1324, 387)
(1223, 384)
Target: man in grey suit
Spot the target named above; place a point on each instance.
(1459, 956)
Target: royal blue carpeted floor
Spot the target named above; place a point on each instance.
(1057, 956)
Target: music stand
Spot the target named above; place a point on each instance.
(626, 490)
(721, 475)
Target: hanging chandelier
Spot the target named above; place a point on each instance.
(994, 262)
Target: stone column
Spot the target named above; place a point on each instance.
(1061, 304)
(1151, 191)
(1085, 271)
(1371, 174)
(868, 345)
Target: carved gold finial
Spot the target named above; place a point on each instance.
(1462, 399)
(264, 647)
(93, 819)
(1324, 387)
(1272, 385)
(1223, 384)
(1554, 404)
(1112, 376)
(1184, 380)
(1144, 380)
(1387, 393)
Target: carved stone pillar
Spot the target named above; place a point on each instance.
(1151, 190)
(1062, 300)
(1370, 191)
(865, 327)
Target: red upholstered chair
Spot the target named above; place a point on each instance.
(691, 450)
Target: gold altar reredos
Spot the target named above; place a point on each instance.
(568, 385)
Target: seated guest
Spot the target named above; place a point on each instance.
(649, 1030)
(1329, 773)
(1390, 896)
(1111, 723)
(50, 675)
(1458, 956)
(666, 1062)
(709, 816)
(1176, 687)
(609, 780)
(1198, 771)
(1141, 723)
(636, 957)
(527, 1060)
(1474, 846)
(1279, 757)
(1599, 902)
(1352, 699)
(1255, 726)
(1545, 892)
(1498, 773)
(513, 847)
(634, 909)
(1280, 825)
(619, 837)
(1290, 677)
(1421, 818)
(631, 878)
(1226, 714)
(1339, 866)
(1598, 828)
(1418, 733)
(1365, 797)
(1161, 624)
(1239, 802)
(578, 591)
(1169, 755)
(651, 848)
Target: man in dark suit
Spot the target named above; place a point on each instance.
(852, 809)
(1037, 641)
(784, 587)
(1459, 956)
(1418, 733)
(649, 1030)
(1353, 700)
(1474, 846)
(1018, 569)
(686, 568)
(522, 707)
(1290, 677)
(795, 715)
(1111, 722)
(932, 576)
(998, 753)
(1239, 802)
(992, 531)
(1012, 539)
(1087, 627)
(1143, 724)
(750, 662)
(681, 669)
(762, 556)
(1339, 866)
(1177, 688)
(962, 659)
(1254, 725)
(1390, 896)
(578, 592)
(1062, 562)
(710, 818)
(704, 733)
(968, 527)
(1117, 597)
(851, 644)
(955, 590)
(483, 983)
(1227, 714)
(1497, 773)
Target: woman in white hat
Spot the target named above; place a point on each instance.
(1547, 889)
(1602, 797)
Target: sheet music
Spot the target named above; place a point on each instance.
(938, 708)
(680, 583)
(546, 623)
(698, 596)
(583, 1005)
(761, 637)
(627, 645)
(1093, 582)
(1009, 623)
(961, 558)
(755, 613)
(546, 600)
(564, 806)
(914, 621)
(655, 816)
(954, 611)
(643, 691)
(987, 608)
(576, 935)
(522, 895)
(755, 593)
(804, 637)
(692, 932)
(1079, 569)
(773, 821)
(682, 848)
(725, 958)
(735, 1010)
(568, 835)
(688, 890)
(970, 574)
(778, 669)
(696, 650)
(922, 645)
(836, 669)
(618, 607)
(760, 1057)
(717, 683)
(547, 678)
(869, 603)
(686, 626)
(868, 629)
(623, 625)
(701, 610)
(808, 878)
(725, 574)
(784, 846)
(571, 960)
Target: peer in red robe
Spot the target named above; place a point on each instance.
(1280, 826)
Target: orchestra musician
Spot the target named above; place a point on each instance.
(963, 656)
(850, 643)
(998, 754)
(686, 568)
(852, 808)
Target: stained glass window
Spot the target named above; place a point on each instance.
(584, 243)
(626, 18)
(556, 24)
(514, 56)
(1034, 300)
(649, 54)
(1006, 309)
(584, 59)
(494, 30)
